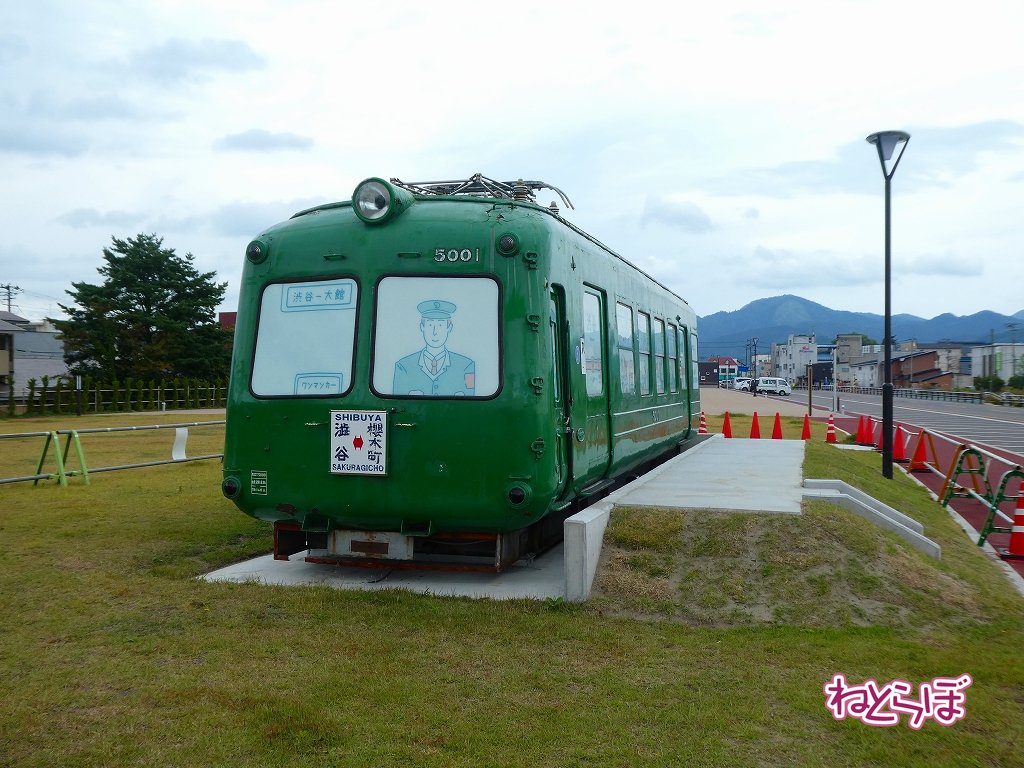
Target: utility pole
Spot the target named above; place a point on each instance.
(1012, 325)
(754, 366)
(10, 290)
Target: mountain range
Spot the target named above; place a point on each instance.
(775, 319)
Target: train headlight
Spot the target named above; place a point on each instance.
(518, 495)
(508, 244)
(257, 252)
(375, 201)
(230, 487)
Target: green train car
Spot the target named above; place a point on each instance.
(442, 372)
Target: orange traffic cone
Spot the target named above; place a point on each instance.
(806, 434)
(899, 446)
(1016, 549)
(877, 441)
(703, 428)
(726, 426)
(755, 428)
(867, 438)
(777, 428)
(920, 460)
(830, 434)
(862, 431)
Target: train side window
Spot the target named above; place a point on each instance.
(673, 358)
(436, 337)
(553, 328)
(624, 341)
(683, 344)
(659, 356)
(694, 365)
(305, 339)
(644, 345)
(592, 344)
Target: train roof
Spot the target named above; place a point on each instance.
(480, 187)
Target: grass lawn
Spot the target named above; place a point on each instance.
(706, 646)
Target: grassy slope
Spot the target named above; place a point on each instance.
(113, 654)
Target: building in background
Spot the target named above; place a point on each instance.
(792, 358)
(29, 350)
(1002, 360)
(728, 369)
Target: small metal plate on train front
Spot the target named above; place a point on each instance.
(384, 545)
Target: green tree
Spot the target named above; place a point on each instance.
(152, 317)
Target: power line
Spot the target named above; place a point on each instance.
(10, 290)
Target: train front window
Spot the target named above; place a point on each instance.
(436, 337)
(305, 339)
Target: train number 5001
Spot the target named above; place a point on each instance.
(455, 254)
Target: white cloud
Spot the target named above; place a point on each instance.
(722, 148)
(679, 215)
(178, 60)
(259, 140)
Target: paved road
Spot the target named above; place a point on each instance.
(989, 425)
(715, 401)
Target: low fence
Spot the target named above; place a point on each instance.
(913, 394)
(72, 449)
(58, 397)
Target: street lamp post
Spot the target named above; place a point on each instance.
(890, 146)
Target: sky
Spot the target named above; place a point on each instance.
(718, 146)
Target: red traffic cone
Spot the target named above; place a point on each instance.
(726, 426)
(703, 428)
(877, 441)
(865, 435)
(899, 446)
(755, 428)
(777, 428)
(1016, 549)
(806, 434)
(830, 434)
(920, 460)
(862, 432)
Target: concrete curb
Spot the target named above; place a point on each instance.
(874, 511)
(584, 531)
(849, 490)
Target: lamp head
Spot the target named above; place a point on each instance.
(889, 144)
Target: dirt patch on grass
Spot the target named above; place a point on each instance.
(824, 568)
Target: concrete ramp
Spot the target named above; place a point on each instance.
(728, 475)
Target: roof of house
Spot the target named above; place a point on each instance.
(38, 344)
(10, 317)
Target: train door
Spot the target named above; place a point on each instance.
(593, 359)
(562, 411)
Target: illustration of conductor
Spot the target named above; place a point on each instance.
(435, 371)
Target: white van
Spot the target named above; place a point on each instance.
(774, 385)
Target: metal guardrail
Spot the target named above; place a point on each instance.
(912, 394)
(72, 441)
